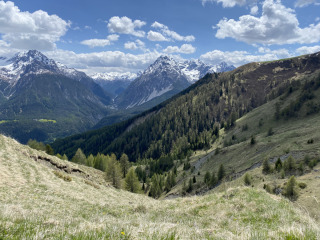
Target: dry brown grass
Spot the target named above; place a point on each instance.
(35, 204)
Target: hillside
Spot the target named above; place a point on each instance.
(191, 120)
(296, 136)
(35, 202)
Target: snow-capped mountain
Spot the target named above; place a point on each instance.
(196, 69)
(164, 78)
(114, 76)
(34, 62)
(33, 86)
(114, 82)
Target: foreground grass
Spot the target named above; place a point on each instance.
(36, 204)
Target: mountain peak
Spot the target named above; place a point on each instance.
(30, 56)
(34, 62)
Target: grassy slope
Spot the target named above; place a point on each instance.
(289, 138)
(36, 204)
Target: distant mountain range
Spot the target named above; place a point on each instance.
(115, 83)
(163, 79)
(191, 120)
(34, 87)
(44, 99)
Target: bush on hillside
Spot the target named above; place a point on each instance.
(247, 179)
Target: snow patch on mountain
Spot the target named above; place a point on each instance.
(113, 76)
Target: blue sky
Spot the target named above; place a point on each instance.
(127, 35)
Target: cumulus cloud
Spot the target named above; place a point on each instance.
(138, 44)
(308, 50)
(125, 25)
(169, 34)
(277, 25)
(304, 3)
(254, 10)
(156, 37)
(24, 30)
(238, 58)
(96, 42)
(92, 43)
(185, 49)
(115, 61)
(229, 3)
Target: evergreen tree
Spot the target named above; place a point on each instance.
(124, 161)
(90, 161)
(207, 178)
(253, 140)
(132, 181)
(173, 180)
(64, 157)
(194, 180)
(169, 184)
(79, 157)
(49, 150)
(190, 186)
(36, 145)
(289, 164)
(113, 172)
(221, 172)
(266, 166)
(213, 180)
(278, 165)
(291, 189)
(156, 186)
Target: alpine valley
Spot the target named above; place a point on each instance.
(233, 156)
(42, 99)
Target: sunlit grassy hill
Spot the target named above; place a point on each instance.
(43, 197)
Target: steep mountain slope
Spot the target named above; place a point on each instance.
(42, 196)
(35, 87)
(163, 79)
(191, 120)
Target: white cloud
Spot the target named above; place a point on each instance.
(24, 30)
(105, 61)
(229, 3)
(304, 3)
(308, 50)
(156, 37)
(101, 42)
(96, 42)
(171, 34)
(125, 25)
(113, 37)
(277, 25)
(185, 49)
(130, 45)
(254, 10)
(138, 44)
(238, 58)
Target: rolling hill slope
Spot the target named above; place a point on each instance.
(44, 197)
